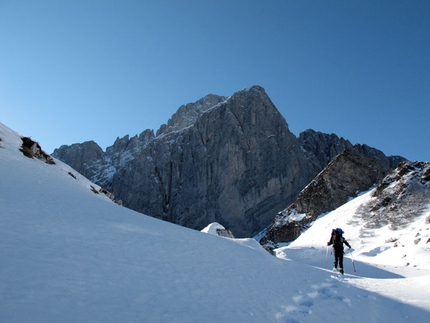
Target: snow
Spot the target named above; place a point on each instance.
(70, 255)
(288, 217)
(388, 262)
(212, 228)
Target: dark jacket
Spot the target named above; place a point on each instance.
(337, 245)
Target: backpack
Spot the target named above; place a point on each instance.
(336, 237)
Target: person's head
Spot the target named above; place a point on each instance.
(339, 230)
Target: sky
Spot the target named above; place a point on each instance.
(69, 255)
(74, 71)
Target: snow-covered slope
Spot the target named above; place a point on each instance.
(70, 255)
(395, 263)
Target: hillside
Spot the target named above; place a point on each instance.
(69, 254)
(394, 260)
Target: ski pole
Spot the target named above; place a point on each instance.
(326, 257)
(353, 264)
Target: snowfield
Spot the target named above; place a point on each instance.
(68, 254)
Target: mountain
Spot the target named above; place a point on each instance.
(344, 177)
(69, 254)
(396, 200)
(323, 148)
(227, 160)
(387, 225)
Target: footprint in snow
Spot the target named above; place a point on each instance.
(329, 291)
(302, 302)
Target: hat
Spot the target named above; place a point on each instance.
(340, 230)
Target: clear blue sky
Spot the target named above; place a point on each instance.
(72, 71)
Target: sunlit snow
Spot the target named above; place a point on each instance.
(70, 255)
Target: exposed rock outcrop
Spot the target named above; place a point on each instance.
(323, 147)
(32, 149)
(401, 196)
(344, 177)
(81, 157)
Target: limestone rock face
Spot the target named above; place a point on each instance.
(344, 177)
(227, 160)
(322, 148)
(89, 159)
(237, 165)
(188, 114)
(80, 157)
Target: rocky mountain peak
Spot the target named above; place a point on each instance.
(81, 156)
(227, 160)
(187, 114)
(217, 169)
(323, 146)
